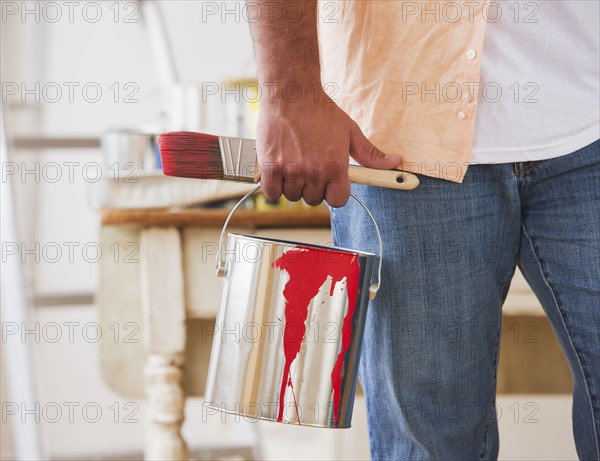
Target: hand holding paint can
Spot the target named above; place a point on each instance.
(289, 330)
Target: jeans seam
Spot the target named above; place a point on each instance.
(486, 432)
(556, 305)
(516, 169)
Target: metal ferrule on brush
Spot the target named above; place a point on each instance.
(239, 159)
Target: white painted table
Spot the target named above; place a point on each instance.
(161, 285)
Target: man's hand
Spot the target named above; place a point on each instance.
(304, 139)
(304, 147)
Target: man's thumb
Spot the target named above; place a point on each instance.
(368, 155)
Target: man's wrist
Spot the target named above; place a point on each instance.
(292, 91)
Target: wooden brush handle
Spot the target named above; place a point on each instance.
(392, 179)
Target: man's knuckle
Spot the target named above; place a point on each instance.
(375, 154)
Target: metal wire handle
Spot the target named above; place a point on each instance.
(373, 288)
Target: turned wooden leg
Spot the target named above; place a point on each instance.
(166, 402)
(164, 339)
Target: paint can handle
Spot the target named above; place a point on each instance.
(375, 280)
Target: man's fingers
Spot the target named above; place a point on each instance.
(271, 181)
(295, 183)
(367, 154)
(338, 192)
(292, 189)
(313, 193)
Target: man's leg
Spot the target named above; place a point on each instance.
(429, 358)
(560, 258)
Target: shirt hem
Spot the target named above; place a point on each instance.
(535, 153)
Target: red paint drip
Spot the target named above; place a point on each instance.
(308, 269)
(291, 384)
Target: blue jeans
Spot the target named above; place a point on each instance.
(430, 353)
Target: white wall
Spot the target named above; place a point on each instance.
(100, 55)
(38, 51)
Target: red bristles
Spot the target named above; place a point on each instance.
(191, 155)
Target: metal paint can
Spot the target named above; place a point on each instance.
(288, 334)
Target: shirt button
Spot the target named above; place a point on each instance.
(461, 115)
(466, 96)
(471, 54)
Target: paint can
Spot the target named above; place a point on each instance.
(288, 335)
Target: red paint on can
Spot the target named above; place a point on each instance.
(308, 269)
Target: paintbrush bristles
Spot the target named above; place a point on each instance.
(188, 154)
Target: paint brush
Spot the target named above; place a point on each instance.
(187, 154)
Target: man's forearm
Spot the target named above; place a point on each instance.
(285, 38)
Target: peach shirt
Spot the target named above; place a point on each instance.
(407, 73)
